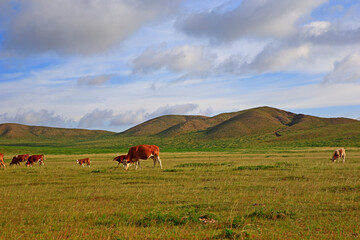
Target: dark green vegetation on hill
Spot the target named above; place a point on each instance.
(254, 128)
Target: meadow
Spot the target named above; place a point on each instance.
(285, 194)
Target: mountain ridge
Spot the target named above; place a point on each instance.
(254, 121)
(235, 124)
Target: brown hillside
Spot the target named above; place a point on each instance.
(253, 121)
(12, 130)
(193, 124)
(262, 120)
(306, 122)
(155, 126)
(236, 124)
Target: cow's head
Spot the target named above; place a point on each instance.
(335, 156)
(126, 164)
(77, 161)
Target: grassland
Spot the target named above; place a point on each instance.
(283, 194)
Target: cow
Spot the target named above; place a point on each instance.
(35, 158)
(2, 163)
(120, 159)
(340, 153)
(83, 161)
(15, 160)
(23, 158)
(19, 158)
(142, 152)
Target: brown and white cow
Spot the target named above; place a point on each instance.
(35, 158)
(142, 152)
(19, 158)
(83, 161)
(120, 159)
(2, 163)
(340, 153)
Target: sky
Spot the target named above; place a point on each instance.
(113, 64)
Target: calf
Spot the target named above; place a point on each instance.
(83, 161)
(340, 153)
(120, 159)
(35, 158)
(2, 163)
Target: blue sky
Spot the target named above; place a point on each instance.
(112, 64)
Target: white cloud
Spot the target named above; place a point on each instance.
(77, 27)
(345, 70)
(279, 58)
(190, 59)
(252, 18)
(316, 28)
(102, 118)
(173, 110)
(128, 118)
(32, 117)
(136, 117)
(97, 118)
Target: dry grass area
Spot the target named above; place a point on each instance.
(223, 195)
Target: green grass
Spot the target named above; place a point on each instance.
(299, 194)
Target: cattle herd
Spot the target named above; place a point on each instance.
(134, 155)
(29, 160)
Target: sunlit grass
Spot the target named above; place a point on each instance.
(302, 194)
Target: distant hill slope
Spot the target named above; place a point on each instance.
(260, 120)
(262, 127)
(19, 131)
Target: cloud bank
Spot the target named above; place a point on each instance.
(77, 27)
(252, 18)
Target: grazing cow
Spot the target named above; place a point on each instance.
(23, 158)
(2, 163)
(142, 152)
(35, 158)
(120, 159)
(19, 158)
(15, 160)
(340, 153)
(83, 161)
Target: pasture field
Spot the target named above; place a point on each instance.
(288, 194)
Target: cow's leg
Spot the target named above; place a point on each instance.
(343, 158)
(159, 160)
(127, 166)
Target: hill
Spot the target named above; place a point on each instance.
(258, 128)
(19, 131)
(262, 120)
